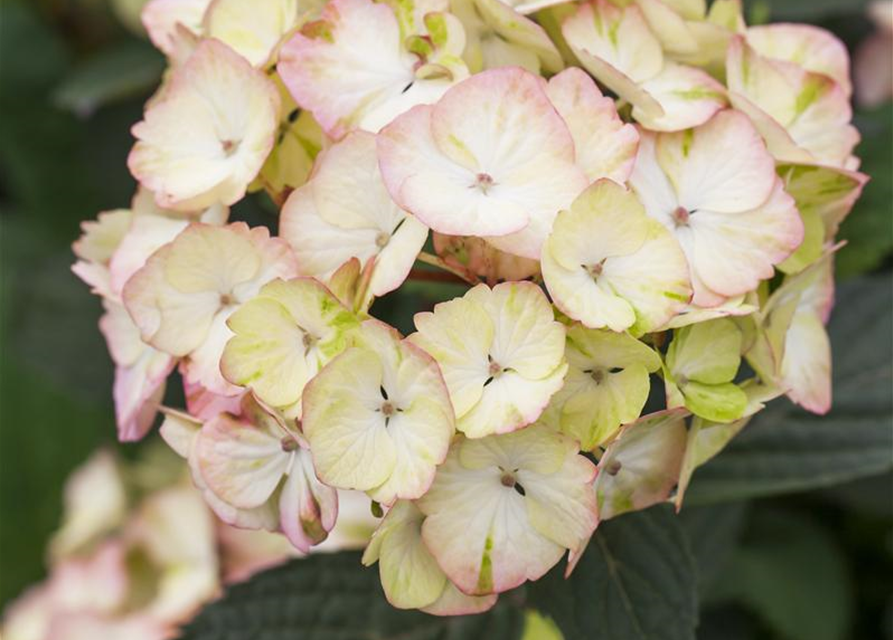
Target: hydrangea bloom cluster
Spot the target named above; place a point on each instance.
(642, 197)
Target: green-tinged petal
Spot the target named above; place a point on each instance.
(717, 402)
(409, 574)
(481, 525)
(708, 352)
(641, 467)
(283, 337)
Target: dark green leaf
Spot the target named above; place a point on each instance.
(713, 534)
(636, 581)
(786, 449)
(792, 574)
(333, 597)
(130, 69)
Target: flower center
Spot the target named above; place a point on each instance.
(230, 147)
(495, 369)
(598, 376)
(226, 300)
(508, 480)
(613, 468)
(680, 216)
(309, 342)
(595, 270)
(382, 239)
(388, 409)
(288, 444)
(483, 182)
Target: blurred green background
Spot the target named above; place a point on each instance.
(73, 77)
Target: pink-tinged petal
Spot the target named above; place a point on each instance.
(140, 374)
(208, 135)
(514, 169)
(805, 45)
(688, 97)
(743, 181)
(151, 228)
(320, 247)
(345, 212)
(489, 529)
(502, 378)
(806, 367)
(204, 404)
(178, 296)
(483, 259)
(254, 30)
(642, 466)
(242, 464)
(89, 626)
(346, 63)
(100, 238)
(616, 46)
(307, 507)
(605, 146)
(804, 116)
(732, 253)
(413, 167)
(453, 602)
(161, 17)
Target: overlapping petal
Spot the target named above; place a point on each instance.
(733, 218)
(182, 297)
(509, 169)
(607, 264)
(607, 385)
(378, 417)
(501, 375)
(345, 212)
(502, 520)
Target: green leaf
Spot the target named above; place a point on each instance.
(636, 581)
(713, 533)
(786, 449)
(130, 69)
(333, 597)
(793, 575)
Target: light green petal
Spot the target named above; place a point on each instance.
(594, 415)
(708, 352)
(342, 422)
(409, 574)
(717, 402)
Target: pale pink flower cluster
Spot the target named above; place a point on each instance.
(139, 553)
(633, 191)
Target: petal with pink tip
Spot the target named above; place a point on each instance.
(208, 135)
(605, 146)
